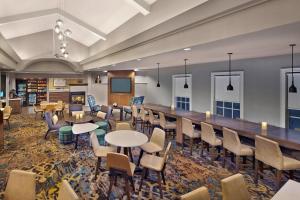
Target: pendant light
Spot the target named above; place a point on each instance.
(229, 87)
(292, 88)
(185, 75)
(158, 84)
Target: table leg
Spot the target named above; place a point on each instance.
(118, 149)
(121, 114)
(76, 141)
(130, 154)
(125, 151)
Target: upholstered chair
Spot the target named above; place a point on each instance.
(144, 118)
(38, 110)
(269, 153)
(51, 126)
(136, 117)
(99, 151)
(6, 114)
(133, 101)
(119, 166)
(20, 185)
(157, 164)
(167, 125)
(231, 143)
(189, 131)
(155, 145)
(66, 192)
(154, 122)
(209, 137)
(234, 188)
(123, 126)
(92, 104)
(198, 194)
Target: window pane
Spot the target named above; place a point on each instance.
(236, 106)
(220, 103)
(228, 104)
(236, 114)
(219, 111)
(228, 112)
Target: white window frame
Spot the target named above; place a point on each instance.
(283, 103)
(212, 89)
(173, 89)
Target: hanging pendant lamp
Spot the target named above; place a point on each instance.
(229, 87)
(292, 88)
(158, 84)
(185, 75)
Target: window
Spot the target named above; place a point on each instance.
(182, 97)
(293, 107)
(227, 103)
(183, 103)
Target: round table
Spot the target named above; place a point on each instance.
(72, 119)
(78, 129)
(126, 139)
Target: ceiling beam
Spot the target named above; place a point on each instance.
(141, 5)
(26, 16)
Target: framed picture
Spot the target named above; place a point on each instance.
(58, 82)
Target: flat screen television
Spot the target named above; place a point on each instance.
(120, 85)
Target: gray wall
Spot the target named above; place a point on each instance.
(261, 85)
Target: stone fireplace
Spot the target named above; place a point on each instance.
(77, 97)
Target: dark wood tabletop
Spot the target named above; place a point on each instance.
(287, 138)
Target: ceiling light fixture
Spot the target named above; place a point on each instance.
(139, 59)
(66, 54)
(62, 49)
(186, 86)
(292, 88)
(229, 87)
(59, 22)
(187, 49)
(136, 69)
(56, 29)
(68, 32)
(158, 84)
(105, 71)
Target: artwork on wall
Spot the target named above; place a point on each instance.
(58, 82)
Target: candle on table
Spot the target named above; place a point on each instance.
(264, 125)
(207, 114)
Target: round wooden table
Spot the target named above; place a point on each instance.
(72, 119)
(126, 139)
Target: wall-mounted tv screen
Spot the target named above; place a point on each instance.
(120, 85)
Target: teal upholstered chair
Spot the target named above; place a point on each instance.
(92, 103)
(134, 101)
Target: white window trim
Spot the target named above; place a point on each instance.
(173, 89)
(283, 91)
(212, 89)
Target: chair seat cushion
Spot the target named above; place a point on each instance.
(216, 142)
(152, 162)
(151, 148)
(245, 150)
(100, 133)
(196, 134)
(290, 163)
(101, 151)
(65, 135)
(102, 125)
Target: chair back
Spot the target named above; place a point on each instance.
(91, 101)
(234, 188)
(20, 185)
(66, 192)
(198, 194)
(7, 110)
(151, 116)
(134, 111)
(268, 152)
(143, 113)
(166, 154)
(48, 118)
(207, 133)
(158, 137)
(101, 115)
(231, 140)
(60, 105)
(187, 127)
(94, 141)
(123, 126)
(120, 162)
(162, 120)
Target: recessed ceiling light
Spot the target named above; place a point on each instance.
(136, 70)
(139, 59)
(105, 71)
(113, 65)
(187, 49)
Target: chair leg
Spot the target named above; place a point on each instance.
(256, 171)
(182, 142)
(47, 133)
(132, 183)
(143, 177)
(110, 186)
(8, 124)
(278, 178)
(140, 157)
(159, 184)
(163, 177)
(224, 156)
(202, 147)
(98, 164)
(191, 145)
(127, 188)
(237, 163)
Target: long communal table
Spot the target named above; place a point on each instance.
(287, 138)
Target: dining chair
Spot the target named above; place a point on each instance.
(153, 121)
(189, 131)
(20, 185)
(144, 118)
(197, 194)
(136, 117)
(119, 166)
(59, 108)
(231, 143)
(123, 126)
(99, 151)
(268, 152)
(6, 114)
(234, 188)
(37, 110)
(92, 104)
(66, 192)
(157, 164)
(52, 127)
(167, 126)
(208, 136)
(155, 145)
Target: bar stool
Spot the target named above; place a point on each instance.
(189, 131)
(231, 143)
(136, 117)
(153, 121)
(268, 152)
(209, 137)
(234, 188)
(167, 126)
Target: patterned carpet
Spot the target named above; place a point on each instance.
(26, 148)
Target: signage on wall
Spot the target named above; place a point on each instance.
(58, 82)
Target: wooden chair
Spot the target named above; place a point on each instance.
(66, 192)
(136, 117)
(6, 114)
(59, 108)
(209, 137)
(20, 185)
(144, 118)
(231, 143)
(119, 166)
(157, 164)
(189, 131)
(167, 125)
(155, 145)
(37, 110)
(153, 121)
(99, 151)
(198, 194)
(268, 152)
(123, 126)
(234, 188)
